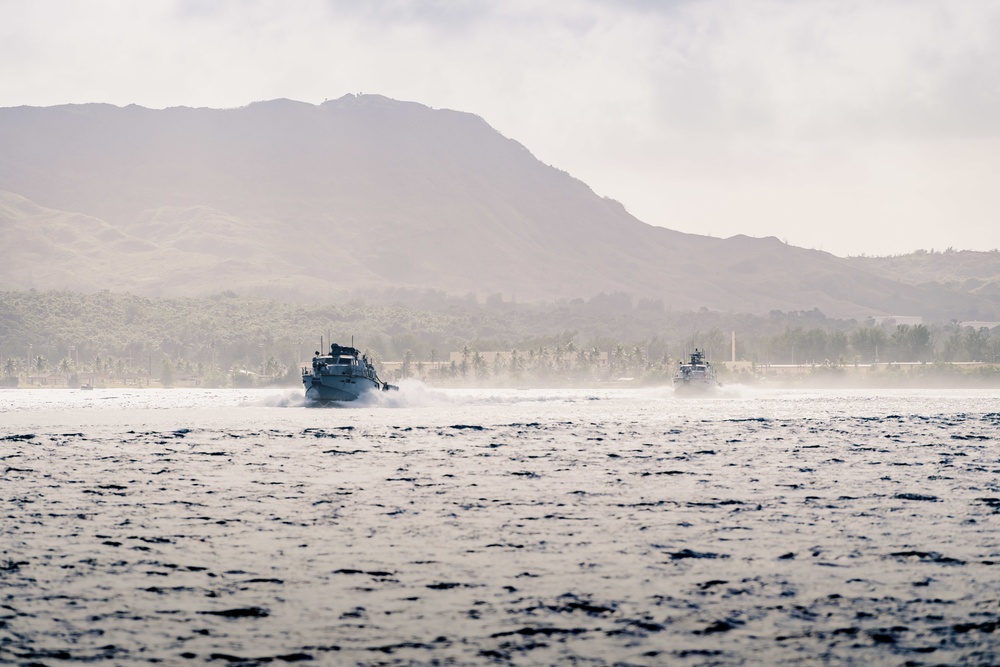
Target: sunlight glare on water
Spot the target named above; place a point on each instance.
(516, 527)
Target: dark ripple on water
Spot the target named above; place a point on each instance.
(843, 541)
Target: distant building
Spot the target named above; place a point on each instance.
(89, 377)
(911, 320)
(45, 380)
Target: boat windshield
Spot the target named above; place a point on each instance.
(344, 361)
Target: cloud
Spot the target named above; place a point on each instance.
(670, 107)
(717, 67)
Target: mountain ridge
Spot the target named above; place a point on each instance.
(291, 198)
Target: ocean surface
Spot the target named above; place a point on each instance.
(500, 527)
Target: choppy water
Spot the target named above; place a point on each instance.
(500, 527)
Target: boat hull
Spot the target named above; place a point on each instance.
(326, 388)
(696, 386)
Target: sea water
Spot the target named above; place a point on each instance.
(506, 527)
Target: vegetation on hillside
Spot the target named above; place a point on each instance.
(967, 270)
(232, 340)
(292, 201)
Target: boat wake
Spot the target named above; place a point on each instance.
(291, 398)
(413, 393)
(410, 394)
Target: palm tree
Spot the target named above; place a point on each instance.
(516, 365)
(638, 359)
(464, 367)
(479, 364)
(618, 360)
(497, 365)
(167, 372)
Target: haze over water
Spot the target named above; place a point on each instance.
(505, 527)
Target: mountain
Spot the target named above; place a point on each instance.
(301, 201)
(966, 270)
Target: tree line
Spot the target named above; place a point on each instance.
(228, 339)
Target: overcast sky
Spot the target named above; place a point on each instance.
(852, 126)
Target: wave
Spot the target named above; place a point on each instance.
(411, 394)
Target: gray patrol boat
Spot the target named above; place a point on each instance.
(343, 375)
(696, 376)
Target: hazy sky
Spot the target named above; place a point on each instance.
(852, 126)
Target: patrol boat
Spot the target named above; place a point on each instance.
(696, 376)
(343, 375)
